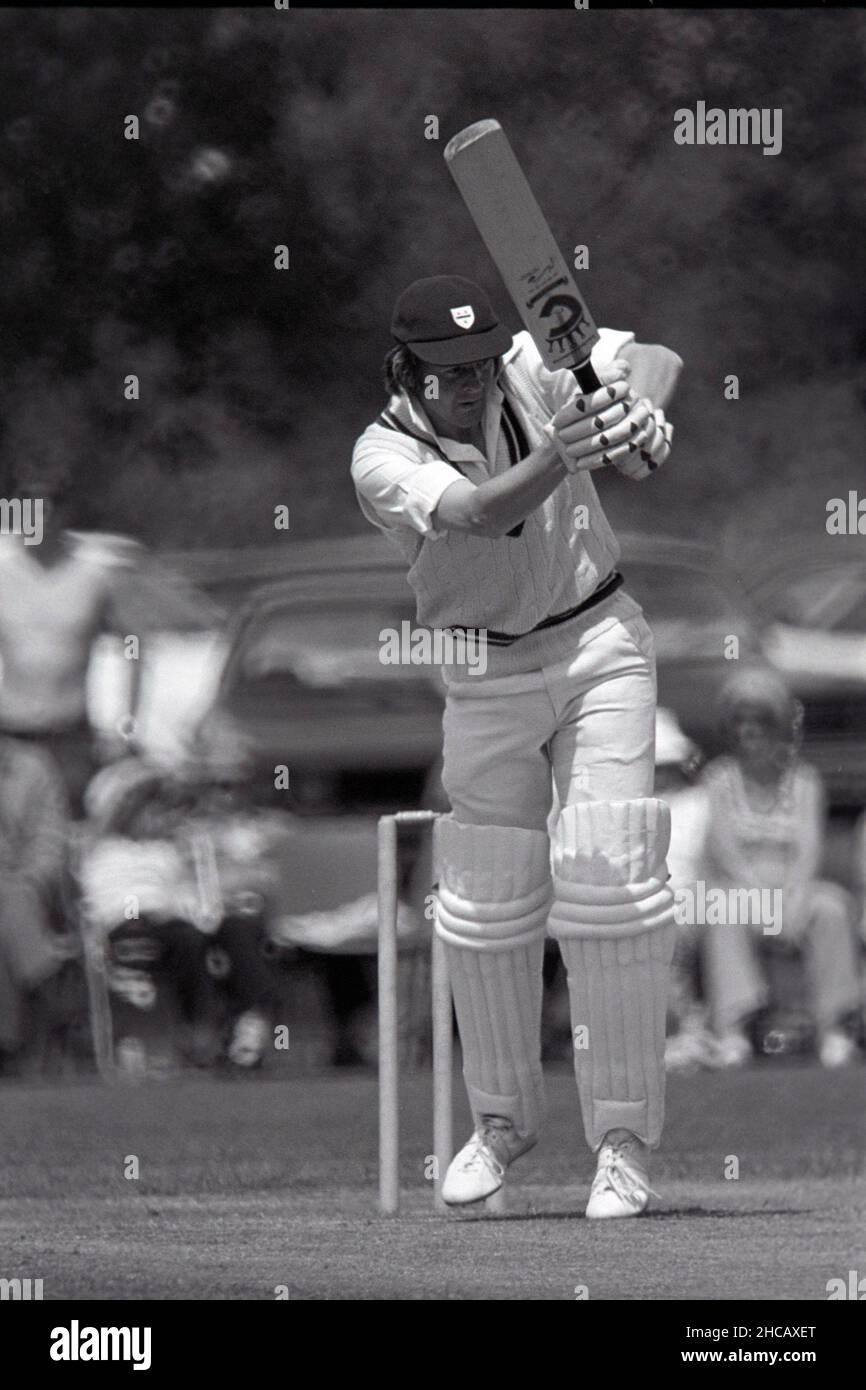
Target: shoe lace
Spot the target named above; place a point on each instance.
(487, 1137)
(619, 1176)
(482, 1157)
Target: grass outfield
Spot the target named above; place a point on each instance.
(251, 1184)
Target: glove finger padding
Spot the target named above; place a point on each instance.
(606, 430)
(614, 385)
(585, 427)
(609, 437)
(654, 447)
(601, 460)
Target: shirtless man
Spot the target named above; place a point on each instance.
(56, 597)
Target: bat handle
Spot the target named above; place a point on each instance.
(586, 377)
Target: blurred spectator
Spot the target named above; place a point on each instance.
(230, 845)
(60, 591)
(35, 958)
(765, 830)
(140, 898)
(56, 597)
(677, 761)
(160, 850)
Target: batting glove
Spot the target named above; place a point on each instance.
(600, 427)
(652, 444)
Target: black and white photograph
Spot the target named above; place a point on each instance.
(433, 667)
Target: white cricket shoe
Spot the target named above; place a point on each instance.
(621, 1184)
(836, 1049)
(732, 1049)
(476, 1172)
(688, 1050)
(250, 1037)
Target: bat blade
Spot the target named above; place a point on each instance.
(521, 245)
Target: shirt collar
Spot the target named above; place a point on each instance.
(410, 412)
(508, 357)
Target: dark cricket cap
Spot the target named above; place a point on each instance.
(447, 321)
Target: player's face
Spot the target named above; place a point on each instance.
(462, 395)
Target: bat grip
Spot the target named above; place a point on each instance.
(586, 377)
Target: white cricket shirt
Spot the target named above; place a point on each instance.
(401, 468)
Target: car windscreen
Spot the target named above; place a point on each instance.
(331, 647)
(676, 592)
(832, 598)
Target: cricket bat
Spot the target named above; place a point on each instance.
(515, 232)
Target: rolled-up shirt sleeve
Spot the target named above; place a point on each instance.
(396, 489)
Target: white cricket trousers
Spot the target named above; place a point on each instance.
(584, 723)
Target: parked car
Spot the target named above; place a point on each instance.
(303, 685)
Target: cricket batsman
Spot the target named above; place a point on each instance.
(480, 470)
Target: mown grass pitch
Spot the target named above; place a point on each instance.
(246, 1186)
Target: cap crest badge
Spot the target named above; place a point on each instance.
(464, 316)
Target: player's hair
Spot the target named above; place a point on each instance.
(403, 371)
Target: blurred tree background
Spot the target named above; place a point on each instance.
(261, 127)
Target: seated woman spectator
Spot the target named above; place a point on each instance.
(765, 831)
(35, 958)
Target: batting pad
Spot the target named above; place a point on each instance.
(493, 903)
(613, 917)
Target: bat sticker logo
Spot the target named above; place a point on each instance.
(540, 277)
(464, 316)
(569, 325)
